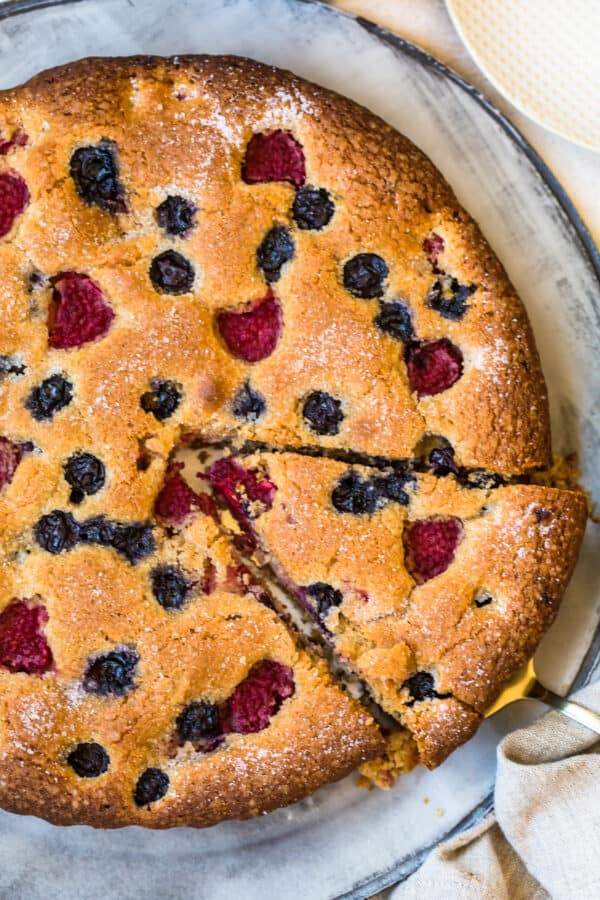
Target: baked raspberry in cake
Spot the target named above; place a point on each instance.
(201, 252)
(432, 591)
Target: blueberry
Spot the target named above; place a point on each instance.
(450, 299)
(197, 721)
(134, 541)
(482, 479)
(57, 531)
(276, 249)
(312, 208)
(171, 273)
(393, 487)
(112, 673)
(323, 413)
(324, 597)
(89, 760)
(162, 400)
(11, 365)
(354, 495)
(248, 404)
(421, 686)
(175, 215)
(441, 461)
(49, 397)
(482, 598)
(394, 319)
(169, 586)
(85, 473)
(152, 785)
(364, 275)
(97, 530)
(96, 175)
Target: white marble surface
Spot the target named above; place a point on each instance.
(427, 23)
(340, 837)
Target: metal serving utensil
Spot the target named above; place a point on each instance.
(524, 685)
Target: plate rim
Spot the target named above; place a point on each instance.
(590, 664)
(473, 50)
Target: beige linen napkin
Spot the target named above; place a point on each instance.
(544, 840)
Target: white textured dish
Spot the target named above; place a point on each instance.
(342, 841)
(543, 56)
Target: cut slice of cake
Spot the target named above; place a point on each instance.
(165, 693)
(433, 592)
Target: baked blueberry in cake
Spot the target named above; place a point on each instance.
(208, 259)
(433, 592)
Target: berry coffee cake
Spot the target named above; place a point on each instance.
(272, 423)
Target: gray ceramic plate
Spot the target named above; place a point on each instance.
(343, 841)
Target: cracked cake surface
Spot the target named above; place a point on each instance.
(204, 252)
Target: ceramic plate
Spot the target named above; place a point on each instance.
(542, 56)
(343, 841)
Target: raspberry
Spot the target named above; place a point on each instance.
(177, 501)
(79, 313)
(89, 760)
(323, 597)
(162, 400)
(433, 366)
(245, 490)
(95, 172)
(276, 249)
(312, 208)
(248, 404)
(52, 395)
(152, 785)
(323, 413)
(23, 645)
(274, 157)
(171, 273)
(111, 673)
(14, 198)
(169, 586)
(365, 275)
(257, 698)
(394, 319)
(10, 457)
(17, 139)
(199, 720)
(175, 215)
(430, 546)
(208, 582)
(434, 247)
(85, 473)
(253, 334)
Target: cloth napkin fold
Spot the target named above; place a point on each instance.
(544, 839)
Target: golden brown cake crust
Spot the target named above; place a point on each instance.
(181, 127)
(471, 625)
(388, 199)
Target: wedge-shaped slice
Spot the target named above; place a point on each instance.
(434, 593)
(174, 697)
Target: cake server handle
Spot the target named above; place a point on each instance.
(569, 708)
